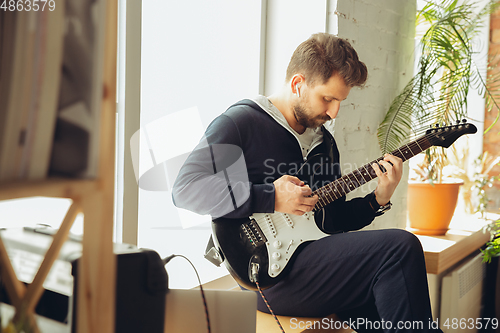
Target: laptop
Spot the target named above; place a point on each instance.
(230, 311)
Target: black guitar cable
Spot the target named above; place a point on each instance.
(255, 277)
(166, 261)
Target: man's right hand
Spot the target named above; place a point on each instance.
(292, 196)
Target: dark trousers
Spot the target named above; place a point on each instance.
(376, 280)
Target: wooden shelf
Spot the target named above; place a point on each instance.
(95, 310)
(465, 236)
(55, 188)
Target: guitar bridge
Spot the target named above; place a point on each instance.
(253, 233)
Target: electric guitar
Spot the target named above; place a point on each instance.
(263, 244)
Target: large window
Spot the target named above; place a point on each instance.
(200, 56)
(197, 58)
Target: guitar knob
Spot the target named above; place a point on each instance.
(275, 267)
(277, 244)
(276, 256)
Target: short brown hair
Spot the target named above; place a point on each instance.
(323, 55)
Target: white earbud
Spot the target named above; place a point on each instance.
(297, 90)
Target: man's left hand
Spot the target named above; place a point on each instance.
(388, 180)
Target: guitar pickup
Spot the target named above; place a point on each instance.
(254, 233)
(270, 225)
(288, 220)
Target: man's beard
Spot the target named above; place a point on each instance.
(302, 115)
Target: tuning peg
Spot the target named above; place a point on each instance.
(458, 121)
(437, 125)
(464, 120)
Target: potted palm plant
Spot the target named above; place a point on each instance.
(431, 202)
(437, 94)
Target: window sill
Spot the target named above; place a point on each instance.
(465, 236)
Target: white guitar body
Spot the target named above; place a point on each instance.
(284, 234)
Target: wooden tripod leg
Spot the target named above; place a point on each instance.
(26, 303)
(15, 289)
(35, 289)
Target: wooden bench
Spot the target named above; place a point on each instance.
(331, 324)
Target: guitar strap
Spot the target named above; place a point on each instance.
(212, 254)
(333, 151)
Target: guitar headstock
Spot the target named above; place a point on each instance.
(445, 136)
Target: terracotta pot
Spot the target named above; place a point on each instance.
(431, 206)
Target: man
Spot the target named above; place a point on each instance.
(247, 165)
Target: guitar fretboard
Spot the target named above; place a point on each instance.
(347, 183)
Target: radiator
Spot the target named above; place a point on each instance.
(461, 296)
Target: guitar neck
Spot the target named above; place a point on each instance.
(347, 183)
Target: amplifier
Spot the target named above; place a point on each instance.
(141, 283)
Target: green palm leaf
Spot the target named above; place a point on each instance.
(446, 70)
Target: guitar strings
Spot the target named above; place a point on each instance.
(327, 190)
(348, 181)
(265, 226)
(351, 180)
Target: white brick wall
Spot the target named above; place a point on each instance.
(382, 32)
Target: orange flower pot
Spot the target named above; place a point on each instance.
(431, 206)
